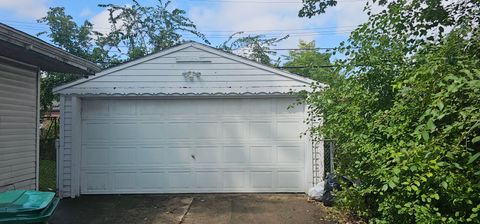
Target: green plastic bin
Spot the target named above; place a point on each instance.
(21, 206)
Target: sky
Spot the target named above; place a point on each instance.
(217, 19)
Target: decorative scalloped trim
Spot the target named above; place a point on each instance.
(187, 94)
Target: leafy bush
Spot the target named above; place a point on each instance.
(406, 114)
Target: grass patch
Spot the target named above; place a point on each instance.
(47, 175)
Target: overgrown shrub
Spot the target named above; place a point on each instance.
(406, 114)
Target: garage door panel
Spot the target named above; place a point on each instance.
(207, 107)
(95, 182)
(261, 179)
(235, 108)
(234, 130)
(207, 179)
(207, 154)
(235, 180)
(260, 106)
(96, 131)
(151, 181)
(261, 154)
(261, 130)
(290, 154)
(236, 154)
(289, 107)
(178, 156)
(95, 156)
(148, 107)
(95, 108)
(124, 107)
(204, 130)
(123, 131)
(289, 179)
(178, 180)
(175, 107)
(289, 129)
(191, 146)
(152, 131)
(123, 155)
(176, 130)
(151, 156)
(124, 181)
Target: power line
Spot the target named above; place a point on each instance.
(32, 25)
(224, 36)
(316, 66)
(265, 2)
(303, 49)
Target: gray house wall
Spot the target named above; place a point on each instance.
(18, 126)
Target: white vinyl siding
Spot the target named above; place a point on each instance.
(18, 134)
(65, 153)
(164, 76)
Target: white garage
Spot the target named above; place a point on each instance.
(190, 119)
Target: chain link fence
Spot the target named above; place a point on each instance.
(328, 157)
(48, 156)
(48, 152)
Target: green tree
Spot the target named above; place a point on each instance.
(308, 61)
(147, 29)
(253, 47)
(79, 40)
(406, 115)
(141, 30)
(314, 7)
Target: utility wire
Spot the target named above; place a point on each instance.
(34, 25)
(315, 66)
(266, 2)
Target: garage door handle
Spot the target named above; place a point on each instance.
(193, 156)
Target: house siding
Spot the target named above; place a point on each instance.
(18, 124)
(164, 74)
(65, 151)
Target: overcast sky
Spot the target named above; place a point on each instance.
(217, 19)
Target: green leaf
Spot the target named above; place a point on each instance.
(425, 135)
(457, 166)
(476, 139)
(430, 125)
(473, 158)
(396, 170)
(415, 188)
(416, 182)
(413, 168)
(391, 184)
(385, 187)
(440, 105)
(444, 184)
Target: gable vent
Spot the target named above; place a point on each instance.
(192, 59)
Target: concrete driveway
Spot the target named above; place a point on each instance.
(196, 208)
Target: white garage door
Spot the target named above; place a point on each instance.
(192, 146)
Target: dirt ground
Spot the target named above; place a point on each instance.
(186, 209)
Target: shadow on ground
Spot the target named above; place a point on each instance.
(186, 209)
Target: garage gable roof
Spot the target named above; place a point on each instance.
(189, 69)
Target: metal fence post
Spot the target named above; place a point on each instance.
(332, 147)
(57, 152)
